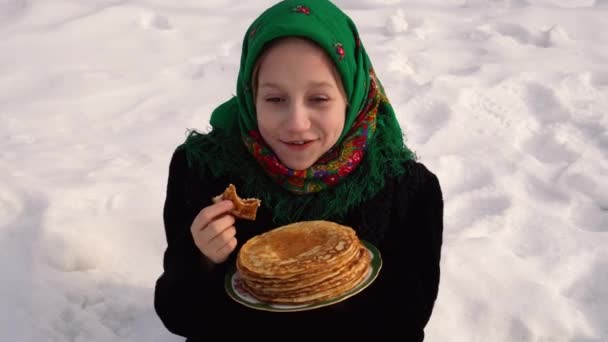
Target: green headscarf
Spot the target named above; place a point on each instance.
(228, 149)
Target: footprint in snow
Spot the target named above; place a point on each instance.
(396, 24)
(599, 78)
(475, 207)
(591, 290)
(155, 21)
(428, 116)
(601, 3)
(11, 9)
(553, 36)
(546, 149)
(588, 215)
(464, 175)
(589, 204)
(544, 105)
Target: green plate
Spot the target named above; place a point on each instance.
(237, 292)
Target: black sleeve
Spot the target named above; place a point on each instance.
(186, 292)
(424, 227)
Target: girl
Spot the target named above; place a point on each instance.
(312, 134)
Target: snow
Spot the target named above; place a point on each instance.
(505, 100)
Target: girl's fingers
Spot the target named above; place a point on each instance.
(208, 214)
(215, 228)
(225, 250)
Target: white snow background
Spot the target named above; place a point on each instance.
(505, 100)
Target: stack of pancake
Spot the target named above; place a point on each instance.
(303, 262)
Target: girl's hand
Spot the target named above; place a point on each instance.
(214, 232)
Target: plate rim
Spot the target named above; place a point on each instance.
(374, 269)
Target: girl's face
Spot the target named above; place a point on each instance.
(300, 102)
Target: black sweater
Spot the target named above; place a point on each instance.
(404, 220)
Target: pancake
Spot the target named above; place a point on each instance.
(303, 262)
(338, 288)
(319, 283)
(299, 280)
(297, 247)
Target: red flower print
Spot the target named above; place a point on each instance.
(359, 141)
(297, 182)
(331, 180)
(340, 50)
(277, 167)
(299, 173)
(302, 9)
(255, 134)
(356, 157)
(272, 165)
(345, 170)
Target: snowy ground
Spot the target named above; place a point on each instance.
(506, 100)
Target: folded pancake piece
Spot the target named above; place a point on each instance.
(245, 208)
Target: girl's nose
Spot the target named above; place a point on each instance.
(297, 118)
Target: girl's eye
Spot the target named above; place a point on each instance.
(319, 99)
(274, 99)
